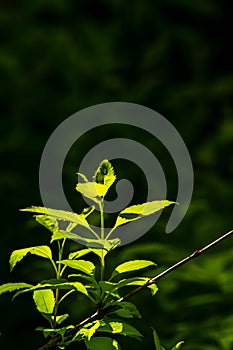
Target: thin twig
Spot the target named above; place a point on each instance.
(102, 312)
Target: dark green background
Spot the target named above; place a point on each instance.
(58, 57)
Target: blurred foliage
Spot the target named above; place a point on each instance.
(58, 57)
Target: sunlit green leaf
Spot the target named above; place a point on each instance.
(12, 287)
(85, 179)
(18, 255)
(178, 346)
(93, 243)
(103, 252)
(82, 265)
(79, 253)
(44, 300)
(89, 330)
(132, 265)
(60, 215)
(136, 212)
(92, 189)
(104, 177)
(58, 235)
(79, 287)
(49, 222)
(61, 318)
(105, 174)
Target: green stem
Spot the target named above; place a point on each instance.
(93, 232)
(102, 266)
(65, 295)
(101, 206)
(102, 261)
(110, 232)
(58, 276)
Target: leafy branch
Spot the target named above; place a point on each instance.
(114, 305)
(88, 278)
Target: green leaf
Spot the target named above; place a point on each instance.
(85, 179)
(102, 343)
(61, 318)
(50, 223)
(89, 330)
(123, 328)
(12, 287)
(19, 254)
(105, 174)
(91, 280)
(60, 215)
(136, 212)
(124, 309)
(157, 343)
(58, 235)
(92, 190)
(79, 287)
(132, 265)
(178, 346)
(44, 300)
(102, 252)
(110, 287)
(87, 211)
(104, 177)
(79, 253)
(59, 331)
(82, 265)
(94, 243)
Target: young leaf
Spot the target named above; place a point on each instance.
(60, 215)
(105, 174)
(18, 255)
(44, 300)
(82, 265)
(102, 343)
(104, 177)
(136, 212)
(85, 179)
(178, 346)
(132, 265)
(12, 287)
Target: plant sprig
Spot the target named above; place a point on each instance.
(49, 294)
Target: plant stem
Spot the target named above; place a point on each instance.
(102, 260)
(59, 275)
(101, 206)
(102, 312)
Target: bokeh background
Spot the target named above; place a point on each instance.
(58, 57)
